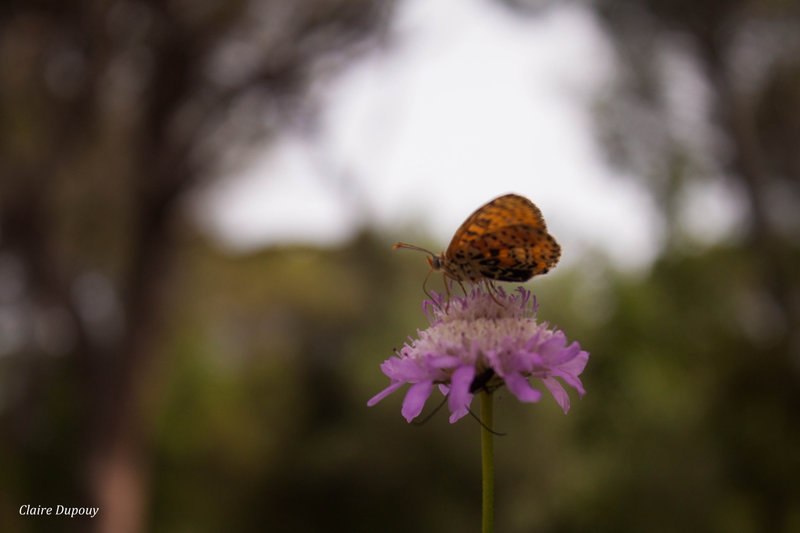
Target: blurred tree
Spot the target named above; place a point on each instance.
(112, 112)
(708, 91)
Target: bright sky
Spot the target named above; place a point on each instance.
(469, 102)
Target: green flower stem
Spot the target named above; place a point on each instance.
(487, 462)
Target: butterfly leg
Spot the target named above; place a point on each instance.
(463, 289)
(424, 289)
(447, 291)
(491, 289)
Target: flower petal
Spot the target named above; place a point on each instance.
(442, 361)
(473, 333)
(520, 388)
(384, 393)
(577, 363)
(558, 392)
(415, 399)
(552, 349)
(571, 380)
(403, 369)
(455, 417)
(459, 398)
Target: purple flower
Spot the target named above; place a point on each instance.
(473, 344)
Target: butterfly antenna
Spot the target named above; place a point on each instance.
(434, 262)
(412, 247)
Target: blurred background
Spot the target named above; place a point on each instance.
(197, 207)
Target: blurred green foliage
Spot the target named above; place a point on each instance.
(689, 422)
(259, 404)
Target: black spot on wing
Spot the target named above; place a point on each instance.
(506, 274)
(517, 274)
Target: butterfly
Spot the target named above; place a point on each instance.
(504, 240)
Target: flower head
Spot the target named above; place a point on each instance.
(473, 343)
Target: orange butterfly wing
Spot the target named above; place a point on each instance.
(505, 240)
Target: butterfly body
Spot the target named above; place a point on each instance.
(504, 240)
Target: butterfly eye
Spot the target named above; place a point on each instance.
(434, 262)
